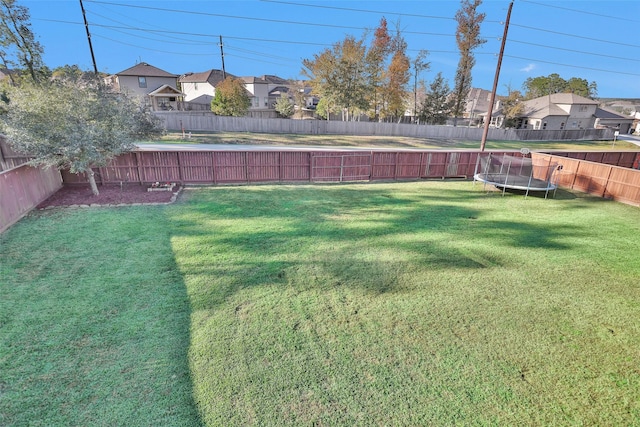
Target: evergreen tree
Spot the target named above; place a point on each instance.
(437, 104)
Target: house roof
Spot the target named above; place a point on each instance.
(202, 99)
(166, 90)
(569, 98)
(279, 90)
(274, 80)
(213, 77)
(542, 107)
(602, 113)
(145, 70)
(253, 80)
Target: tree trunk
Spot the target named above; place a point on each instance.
(92, 182)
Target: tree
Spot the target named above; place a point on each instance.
(467, 39)
(419, 64)
(18, 45)
(397, 78)
(375, 61)
(64, 125)
(437, 104)
(231, 98)
(535, 87)
(512, 108)
(340, 74)
(284, 106)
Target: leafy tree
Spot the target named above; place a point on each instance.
(340, 73)
(375, 62)
(397, 79)
(437, 104)
(535, 87)
(467, 39)
(231, 98)
(284, 106)
(512, 108)
(65, 125)
(18, 45)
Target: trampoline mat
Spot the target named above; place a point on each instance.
(515, 182)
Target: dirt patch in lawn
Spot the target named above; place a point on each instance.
(109, 195)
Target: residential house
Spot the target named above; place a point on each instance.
(607, 119)
(558, 111)
(200, 88)
(477, 104)
(156, 87)
(258, 89)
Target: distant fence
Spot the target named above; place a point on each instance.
(209, 122)
(619, 183)
(23, 188)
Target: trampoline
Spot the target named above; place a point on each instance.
(517, 173)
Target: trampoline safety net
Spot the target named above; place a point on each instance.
(516, 172)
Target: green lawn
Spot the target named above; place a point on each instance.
(252, 138)
(423, 303)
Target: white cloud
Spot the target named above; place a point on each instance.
(528, 68)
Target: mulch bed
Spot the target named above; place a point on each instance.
(75, 195)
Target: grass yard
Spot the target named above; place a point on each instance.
(423, 303)
(252, 138)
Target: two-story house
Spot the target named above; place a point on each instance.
(558, 111)
(155, 87)
(200, 88)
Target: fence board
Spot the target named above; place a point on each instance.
(23, 188)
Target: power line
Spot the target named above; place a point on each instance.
(599, 15)
(575, 66)
(576, 36)
(277, 21)
(576, 51)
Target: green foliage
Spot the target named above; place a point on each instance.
(284, 106)
(231, 98)
(512, 108)
(66, 125)
(18, 45)
(535, 87)
(340, 74)
(467, 38)
(437, 104)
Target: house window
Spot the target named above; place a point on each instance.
(142, 81)
(583, 108)
(544, 125)
(562, 126)
(256, 101)
(574, 124)
(195, 86)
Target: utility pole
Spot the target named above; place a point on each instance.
(86, 26)
(224, 74)
(485, 131)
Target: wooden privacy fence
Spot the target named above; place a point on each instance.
(233, 167)
(23, 188)
(619, 183)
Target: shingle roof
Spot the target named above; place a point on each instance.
(146, 70)
(570, 98)
(212, 77)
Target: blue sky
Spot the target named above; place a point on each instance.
(594, 40)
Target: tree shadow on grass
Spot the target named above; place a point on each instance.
(364, 237)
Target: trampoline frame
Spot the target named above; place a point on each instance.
(513, 177)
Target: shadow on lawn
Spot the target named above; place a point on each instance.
(407, 230)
